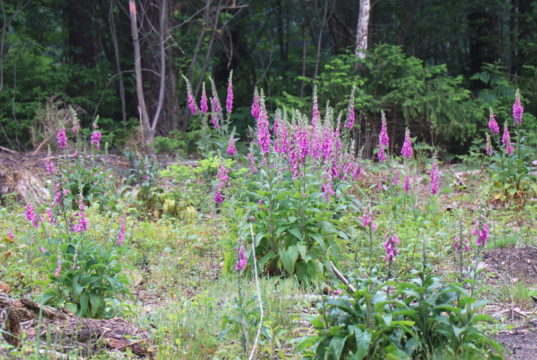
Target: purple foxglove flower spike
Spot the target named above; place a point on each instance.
(518, 110)
(383, 136)
(406, 150)
(506, 140)
(61, 138)
(435, 177)
(121, 234)
(406, 184)
(51, 168)
(229, 98)
(315, 116)
(218, 197)
(242, 260)
(59, 266)
(390, 245)
(231, 149)
(256, 106)
(96, 139)
(493, 125)
(204, 107)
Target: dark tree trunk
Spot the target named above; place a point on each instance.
(483, 45)
(150, 41)
(342, 24)
(83, 46)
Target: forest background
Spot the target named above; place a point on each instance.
(435, 66)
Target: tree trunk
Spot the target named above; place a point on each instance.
(113, 34)
(144, 118)
(362, 29)
(159, 66)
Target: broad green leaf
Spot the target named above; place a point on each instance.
(289, 257)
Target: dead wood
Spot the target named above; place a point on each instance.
(89, 335)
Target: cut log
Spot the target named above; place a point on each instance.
(90, 335)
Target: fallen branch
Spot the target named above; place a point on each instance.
(8, 150)
(26, 316)
(254, 348)
(340, 276)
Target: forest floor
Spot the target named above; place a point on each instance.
(180, 297)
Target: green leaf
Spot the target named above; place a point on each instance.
(96, 302)
(363, 339)
(289, 257)
(84, 302)
(295, 231)
(336, 346)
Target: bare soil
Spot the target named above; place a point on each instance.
(520, 263)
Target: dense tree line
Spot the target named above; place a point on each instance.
(434, 65)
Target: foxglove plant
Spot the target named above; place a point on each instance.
(190, 98)
(121, 233)
(493, 125)
(96, 139)
(204, 106)
(481, 232)
(518, 110)
(390, 246)
(406, 184)
(231, 148)
(31, 215)
(242, 260)
(215, 113)
(263, 133)
(488, 146)
(256, 105)
(327, 190)
(506, 140)
(406, 150)
(229, 98)
(383, 135)
(50, 166)
(61, 138)
(282, 143)
(315, 116)
(434, 177)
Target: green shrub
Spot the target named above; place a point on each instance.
(420, 318)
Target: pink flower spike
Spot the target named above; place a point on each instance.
(96, 139)
(435, 177)
(390, 246)
(204, 107)
(327, 190)
(315, 116)
(51, 168)
(256, 106)
(229, 98)
(383, 135)
(493, 125)
(506, 140)
(42, 250)
(61, 138)
(59, 266)
(406, 184)
(518, 110)
(406, 150)
(215, 112)
(31, 216)
(218, 197)
(231, 149)
(121, 234)
(380, 153)
(242, 260)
